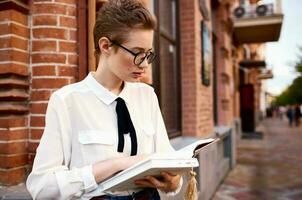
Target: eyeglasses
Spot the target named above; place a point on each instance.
(138, 57)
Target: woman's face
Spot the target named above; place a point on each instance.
(120, 62)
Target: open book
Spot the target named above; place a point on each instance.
(177, 162)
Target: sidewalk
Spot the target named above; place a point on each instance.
(17, 192)
(267, 169)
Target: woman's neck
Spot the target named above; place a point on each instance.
(109, 81)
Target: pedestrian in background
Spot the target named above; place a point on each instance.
(297, 115)
(282, 111)
(290, 115)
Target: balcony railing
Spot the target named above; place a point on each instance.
(250, 11)
(257, 23)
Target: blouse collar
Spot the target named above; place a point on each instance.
(103, 93)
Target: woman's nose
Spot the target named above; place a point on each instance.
(144, 64)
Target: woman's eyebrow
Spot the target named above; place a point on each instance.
(141, 49)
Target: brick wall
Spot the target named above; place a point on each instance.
(197, 113)
(226, 71)
(38, 54)
(205, 119)
(54, 59)
(14, 84)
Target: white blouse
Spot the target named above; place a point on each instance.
(81, 129)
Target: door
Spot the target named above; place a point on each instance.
(247, 111)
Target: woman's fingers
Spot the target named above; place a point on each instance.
(156, 182)
(168, 183)
(167, 176)
(144, 183)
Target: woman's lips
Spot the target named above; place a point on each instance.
(137, 74)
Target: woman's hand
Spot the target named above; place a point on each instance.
(168, 182)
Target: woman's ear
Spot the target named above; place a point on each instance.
(104, 45)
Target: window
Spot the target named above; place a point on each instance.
(166, 77)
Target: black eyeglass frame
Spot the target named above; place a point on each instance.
(147, 54)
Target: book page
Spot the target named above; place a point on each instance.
(188, 151)
(193, 149)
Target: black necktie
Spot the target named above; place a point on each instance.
(125, 126)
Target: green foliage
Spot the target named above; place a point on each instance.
(299, 67)
(293, 94)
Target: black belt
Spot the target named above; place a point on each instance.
(146, 194)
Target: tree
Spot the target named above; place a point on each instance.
(293, 94)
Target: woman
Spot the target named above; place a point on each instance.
(107, 122)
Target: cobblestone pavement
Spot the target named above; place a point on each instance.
(267, 169)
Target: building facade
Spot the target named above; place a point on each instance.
(198, 76)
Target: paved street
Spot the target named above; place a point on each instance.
(267, 169)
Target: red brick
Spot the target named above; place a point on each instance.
(37, 121)
(48, 58)
(68, 22)
(5, 15)
(36, 134)
(72, 59)
(73, 80)
(11, 161)
(12, 177)
(32, 147)
(48, 8)
(13, 121)
(71, 11)
(44, 46)
(38, 108)
(68, 71)
(31, 157)
(4, 29)
(44, 70)
(14, 29)
(49, 20)
(14, 68)
(7, 42)
(74, 2)
(68, 47)
(54, 33)
(14, 134)
(13, 147)
(73, 35)
(49, 82)
(19, 17)
(40, 95)
(13, 15)
(19, 43)
(13, 55)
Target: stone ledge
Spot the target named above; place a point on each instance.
(16, 5)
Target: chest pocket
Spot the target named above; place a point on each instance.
(148, 133)
(96, 145)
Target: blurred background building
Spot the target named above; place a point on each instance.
(208, 74)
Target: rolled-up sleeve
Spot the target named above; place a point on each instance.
(51, 178)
